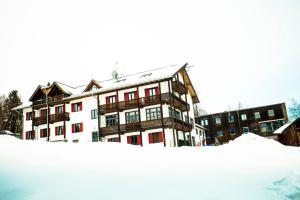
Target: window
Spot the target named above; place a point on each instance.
(245, 129)
(43, 113)
(76, 107)
(95, 137)
(30, 135)
(28, 116)
(78, 127)
(271, 113)
(134, 139)
(270, 126)
(244, 117)
(155, 137)
(132, 117)
(111, 120)
(153, 113)
(174, 113)
(44, 133)
(257, 115)
(111, 99)
(232, 131)
(218, 120)
(94, 114)
(204, 122)
(150, 92)
(59, 109)
(116, 139)
(219, 133)
(230, 118)
(59, 130)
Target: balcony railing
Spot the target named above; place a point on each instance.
(59, 117)
(146, 125)
(51, 101)
(39, 120)
(145, 101)
(179, 87)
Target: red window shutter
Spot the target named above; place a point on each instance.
(80, 106)
(150, 138)
(41, 133)
(56, 110)
(160, 136)
(128, 139)
(26, 136)
(81, 127)
(135, 94)
(156, 91)
(138, 139)
(56, 130)
(126, 96)
(73, 107)
(73, 128)
(107, 100)
(147, 92)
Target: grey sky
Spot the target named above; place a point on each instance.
(245, 51)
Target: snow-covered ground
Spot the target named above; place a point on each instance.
(251, 167)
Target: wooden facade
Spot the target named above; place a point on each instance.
(263, 120)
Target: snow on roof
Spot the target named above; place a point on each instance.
(282, 128)
(132, 79)
(21, 107)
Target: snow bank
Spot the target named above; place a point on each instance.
(247, 168)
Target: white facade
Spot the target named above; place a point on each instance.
(89, 101)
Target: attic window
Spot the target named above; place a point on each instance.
(94, 88)
(120, 80)
(145, 75)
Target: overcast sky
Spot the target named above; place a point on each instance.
(241, 51)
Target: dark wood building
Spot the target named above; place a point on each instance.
(225, 126)
(289, 134)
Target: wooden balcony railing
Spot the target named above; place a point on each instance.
(146, 125)
(59, 117)
(39, 120)
(145, 101)
(51, 101)
(179, 87)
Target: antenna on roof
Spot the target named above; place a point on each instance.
(115, 73)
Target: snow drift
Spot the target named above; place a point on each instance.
(250, 167)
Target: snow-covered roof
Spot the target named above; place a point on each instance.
(284, 127)
(132, 79)
(21, 107)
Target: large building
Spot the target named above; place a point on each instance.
(155, 106)
(225, 126)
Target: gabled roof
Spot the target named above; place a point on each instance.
(285, 126)
(91, 84)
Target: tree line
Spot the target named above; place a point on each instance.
(9, 119)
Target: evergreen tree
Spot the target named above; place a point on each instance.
(2, 100)
(294, 109)
(10, 118)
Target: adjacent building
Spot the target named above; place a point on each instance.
(226, 126)
(289, 134)
(144, 108)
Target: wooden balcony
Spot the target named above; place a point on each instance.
(179, 87)
(39, 121)
(145, 101)
(146, 125)
(108, 108)
(59, 117)
(175, 101)
(125, 105)
(51, 101)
